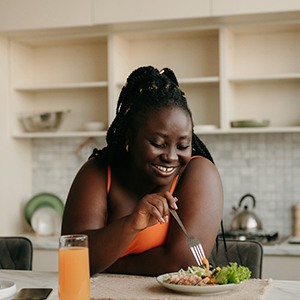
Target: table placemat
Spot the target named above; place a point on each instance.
(124, 287)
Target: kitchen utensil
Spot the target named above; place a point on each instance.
(193, 242)
(246, 219)
(45, 121)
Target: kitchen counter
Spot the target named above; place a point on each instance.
(45, 252)
(283, 256)
(283, 248)
(48, 242)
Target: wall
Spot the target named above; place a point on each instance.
(266, 165)
(15, 160)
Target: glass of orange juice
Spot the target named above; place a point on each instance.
(73, 268)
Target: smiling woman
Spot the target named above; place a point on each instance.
(121, 196)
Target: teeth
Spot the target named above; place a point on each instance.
(164, 169)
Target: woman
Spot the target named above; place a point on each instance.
(121, 196)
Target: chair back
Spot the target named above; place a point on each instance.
(15, 253)
(247, 253)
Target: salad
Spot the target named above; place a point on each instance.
(198, 276)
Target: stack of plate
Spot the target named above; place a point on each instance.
(43, 213)
(250, 123)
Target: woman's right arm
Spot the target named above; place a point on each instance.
(86, 211)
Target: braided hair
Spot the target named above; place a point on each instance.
(146, 89)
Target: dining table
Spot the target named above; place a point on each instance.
(120, 286)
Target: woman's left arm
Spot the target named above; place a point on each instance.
(200, 207)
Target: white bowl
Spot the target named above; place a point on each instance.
(44, 121)
(94, 126)
(7, 289)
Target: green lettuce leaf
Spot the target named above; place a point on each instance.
(233, 273)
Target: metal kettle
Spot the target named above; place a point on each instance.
(245, 220)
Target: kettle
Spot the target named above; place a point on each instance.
(245, 220)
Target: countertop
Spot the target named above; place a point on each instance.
(284, 248)
(146, 288)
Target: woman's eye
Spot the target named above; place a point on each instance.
(181, 147)
(157, 145)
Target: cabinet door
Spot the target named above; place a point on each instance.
(116, 11)
(36, 14)
(235, 7)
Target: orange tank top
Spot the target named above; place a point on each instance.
(150, 237)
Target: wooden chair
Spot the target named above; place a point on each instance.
(247, 253)
(15, 253)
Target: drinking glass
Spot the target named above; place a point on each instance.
(73, 268)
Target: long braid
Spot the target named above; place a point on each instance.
(146, 89)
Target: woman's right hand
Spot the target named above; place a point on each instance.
(152, 209)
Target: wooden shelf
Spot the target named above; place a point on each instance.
(59, 134)
(63, 86)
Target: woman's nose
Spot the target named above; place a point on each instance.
(170, 155)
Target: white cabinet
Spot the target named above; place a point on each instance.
(228, 72)
(116, 11)
(45, 260)
(236, 7)
(36, 14)
(281, 267)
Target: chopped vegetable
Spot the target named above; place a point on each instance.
(233, 273)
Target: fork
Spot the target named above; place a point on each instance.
(193, 242)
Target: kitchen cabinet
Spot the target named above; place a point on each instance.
(282, 261)
(36, 14)
(60, 74)
(281, 267)
(126, 11)
(228, 72)
(236, 7)
(45, 260)
(262, 75)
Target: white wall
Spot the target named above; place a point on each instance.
(15, 160)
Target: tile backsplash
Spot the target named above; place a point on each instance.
(266, 165)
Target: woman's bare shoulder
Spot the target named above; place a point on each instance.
(200, 164)
(199, 173)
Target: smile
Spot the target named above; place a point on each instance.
(165, 170)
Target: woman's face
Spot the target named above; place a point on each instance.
(162, 145)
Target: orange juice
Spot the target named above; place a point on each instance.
(74, 275)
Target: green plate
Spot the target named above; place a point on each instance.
(250, 123)
(42, 200)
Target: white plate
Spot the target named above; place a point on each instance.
(207, 289)
(7, 288)
(46, 221)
